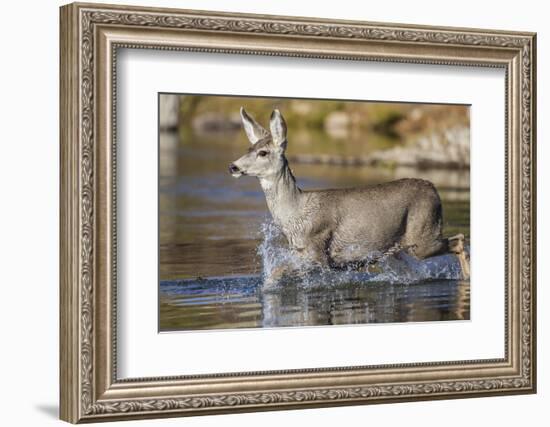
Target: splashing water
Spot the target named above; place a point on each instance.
(404, 270)
(274, 251)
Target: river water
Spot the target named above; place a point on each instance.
(216, 239)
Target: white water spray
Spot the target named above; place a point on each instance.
(404, 269)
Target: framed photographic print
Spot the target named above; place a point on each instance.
(265, 212)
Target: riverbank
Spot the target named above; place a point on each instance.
(449, 149)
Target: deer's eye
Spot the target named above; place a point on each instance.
(263, 153)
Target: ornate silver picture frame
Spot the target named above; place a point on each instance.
(91, 35)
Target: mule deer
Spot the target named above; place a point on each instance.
(341, 227)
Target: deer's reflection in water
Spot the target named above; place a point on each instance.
(372, 304)
(241, 303)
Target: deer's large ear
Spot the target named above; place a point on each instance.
(277, 126)
(253, 130)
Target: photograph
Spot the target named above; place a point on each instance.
(290, 212)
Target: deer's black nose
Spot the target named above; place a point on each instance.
(233, 168)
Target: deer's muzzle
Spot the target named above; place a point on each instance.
(235, 171)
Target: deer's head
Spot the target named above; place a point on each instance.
(266, 155)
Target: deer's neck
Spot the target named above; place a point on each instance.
(282, 195)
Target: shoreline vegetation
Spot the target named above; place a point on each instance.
(425, 136)
(447, 150)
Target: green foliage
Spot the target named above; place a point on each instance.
(384, 117)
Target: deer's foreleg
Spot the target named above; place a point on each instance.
(315, 252)
(303, 261)
(313, 257)
(307, 256)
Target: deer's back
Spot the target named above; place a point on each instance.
(374, 218)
